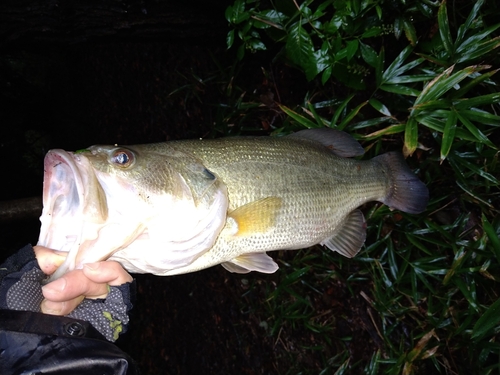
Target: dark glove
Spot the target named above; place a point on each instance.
(20, 289)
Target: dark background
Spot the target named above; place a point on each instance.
(104, 72)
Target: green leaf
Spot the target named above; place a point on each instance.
(371, 32)
(467, 290)
(230, 39)
(492, 236)
(299, 118)
(478, 50)
(448, 134)
(410, 32)
(478, 101)
(351, 115)
(412, 78)
(391, 129)
(400, 89)
(317, 117)
(472, 42)
(380, 66)
(380, 107)
(339, 110)
(398, 27)
(476, 197)
(352, 48)
(470, 19)
(444, 29)
(442, 84)
(411, 137)
(481, 116)
(269, 18)
(487, 321)
(474, 82)
(368, 54)
(299, 45)
(393, 69)
(478, 134)
(430, 120)
(327, 73)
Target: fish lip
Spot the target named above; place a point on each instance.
(63, 196)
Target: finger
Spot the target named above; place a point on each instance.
(49, 260)
(108, 272)
(60, 308)
(72, 285)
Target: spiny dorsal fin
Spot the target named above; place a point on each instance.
(339, 142)
(260, 262)
(350, 236)
(256, 217)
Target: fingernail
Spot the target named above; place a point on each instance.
(93, 266)
(55, 286)
(51, 307)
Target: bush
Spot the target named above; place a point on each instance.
(420, 74)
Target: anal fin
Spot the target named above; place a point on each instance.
(260, 262)
(349, 237)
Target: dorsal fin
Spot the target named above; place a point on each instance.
(339, 142)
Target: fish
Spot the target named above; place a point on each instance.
(183, 206)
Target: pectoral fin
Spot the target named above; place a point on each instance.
(260, 262)
(255, 217)
(350, 236)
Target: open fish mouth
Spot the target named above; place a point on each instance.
(65, 188)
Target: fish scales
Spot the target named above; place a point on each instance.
(318, 189)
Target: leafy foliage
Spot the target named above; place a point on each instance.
(421, 72)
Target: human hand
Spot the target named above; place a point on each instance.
(93, 281)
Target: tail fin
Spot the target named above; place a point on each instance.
(407, 192)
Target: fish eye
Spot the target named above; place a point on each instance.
(122, 158)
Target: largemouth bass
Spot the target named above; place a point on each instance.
(182, 206)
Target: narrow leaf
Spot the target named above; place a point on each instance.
(400, 89)
(339, 110)
(392, 69)
(474, 82)
(474, 130)
(487, 321)
(351, 115)
(492, 236)
(448, 134)
(478, 101)
(299, 118)
(483, 117)
(478, 50)
(411, 137)
(410, 32)
(380, 66)
(444, 29)
(470, 19)
(380, 107)
(443, 83)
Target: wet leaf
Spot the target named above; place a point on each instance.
(411, 137)
(444, 29)
(448, 134)
(299, 118)
(487, 321)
